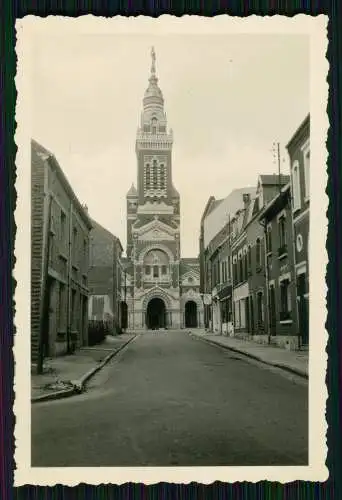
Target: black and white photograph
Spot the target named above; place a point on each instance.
(171, 249)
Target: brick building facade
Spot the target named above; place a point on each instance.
(299, 154)
(60, 229)
(105, 277)
(280, 280)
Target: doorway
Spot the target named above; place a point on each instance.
(191, 314)
(47, 318)
(156, 314)
(303, 313)
(272, 311)
(124, 315)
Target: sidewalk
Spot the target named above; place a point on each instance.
(292, 361)
(67, 375)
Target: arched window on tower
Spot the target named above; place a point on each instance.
(147, 176)
(162, 176)
(155, 174)
(154, 126)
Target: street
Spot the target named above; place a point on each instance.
(169, 399)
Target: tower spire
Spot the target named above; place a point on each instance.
(153, 65)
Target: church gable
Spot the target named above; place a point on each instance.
(190, 278)
(155, 231)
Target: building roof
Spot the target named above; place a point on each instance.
(305, 123)
(44, 156)
(214, 204)
(132, 191)
(218, 214)
(175, 193)
(273, 179)
(109, 234)
(276, 204)
(189, 264)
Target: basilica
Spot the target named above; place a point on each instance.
(160, 289)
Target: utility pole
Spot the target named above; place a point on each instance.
(279, 174)
(276, 159)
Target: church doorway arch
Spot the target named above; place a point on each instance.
(191, 314)
(156, 314)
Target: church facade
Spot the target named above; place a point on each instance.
(160, 290)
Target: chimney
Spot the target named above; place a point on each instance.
(246, 199)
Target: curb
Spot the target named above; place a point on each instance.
(252, 356)
(79, 385)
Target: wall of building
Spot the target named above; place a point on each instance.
(38, 222)
(298, 147)
(218, 217)
(284, 327)
(60, 236)
(105, 277)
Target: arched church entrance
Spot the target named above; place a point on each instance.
(156, 314)
(191, 314)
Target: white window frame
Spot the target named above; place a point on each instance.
(305, 150)
(296, 193)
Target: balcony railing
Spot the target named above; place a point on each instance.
(164, 279)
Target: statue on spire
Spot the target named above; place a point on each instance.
(153, 66)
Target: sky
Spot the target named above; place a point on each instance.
(228, 98)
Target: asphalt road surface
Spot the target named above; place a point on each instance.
(169, 399)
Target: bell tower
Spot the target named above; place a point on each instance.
(154, 147)
(153, 219)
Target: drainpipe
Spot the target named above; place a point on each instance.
(267, 281)
(294, 279)
(44, 299)
(69, 280)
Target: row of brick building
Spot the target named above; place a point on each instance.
(254, 256)
(70, 263)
